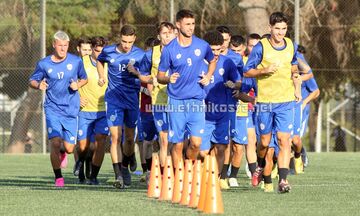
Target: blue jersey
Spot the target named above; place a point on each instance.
(123, 87)
(301, 59)
(217, 94)
(308, 86)
(186, 61)
(60, 98)
(237, 59)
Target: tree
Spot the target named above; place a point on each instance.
(77, 18)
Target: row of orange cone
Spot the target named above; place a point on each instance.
(196, 186)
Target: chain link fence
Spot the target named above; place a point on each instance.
(21, 110)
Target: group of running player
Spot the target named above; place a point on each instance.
(198, 96)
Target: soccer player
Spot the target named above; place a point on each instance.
(122, 100)
(60, 75)
(159, 96)
(238, 45)
(309, 92)
(182, 58)
(273, 62)
(237, 59)
(218, 95)
(92, 117)
(84, 47)
(251, 41)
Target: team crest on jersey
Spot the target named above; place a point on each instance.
(132, 61)
(50, 70)
(197, 52)
(69, 66)
(112, 118)
(112, 60)
(221, 71)
(178, 56)
(262, 126)
(160, 122)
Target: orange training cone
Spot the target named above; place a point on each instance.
(154, 187)
(167, 180)
(213, 201)
(185, 195)
(179, 182)
(204, 179)
(196, 183)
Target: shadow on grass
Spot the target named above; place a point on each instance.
(47, 183)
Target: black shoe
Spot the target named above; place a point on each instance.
(81, 181)
(133, 164)
(126, 176)
(77, 167)
(93, 181)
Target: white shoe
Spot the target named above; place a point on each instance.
(248, 173)
(233, 182)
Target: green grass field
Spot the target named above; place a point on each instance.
(330, 186)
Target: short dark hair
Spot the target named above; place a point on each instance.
(161, 25)
(278, 17)
(267, 35)
(127, 30)
(181, 14)
(83, 40)
(253, 36)
(98, 41)
(151, 42)
(301, 49)
(223, 29)
(214, 38)
(237, 40)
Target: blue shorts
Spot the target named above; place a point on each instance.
(274, 144)
(117, 116)
(297, 119)
(305, 119)
(232, 116)
(275, 119)
(138, 132)
(92, 123)
(215, 132)
(161, 121)
(188, 114)
(241, 134)
(148, 126)
(61, 126)
(251, 121)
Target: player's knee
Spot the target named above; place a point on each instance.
(296, 140)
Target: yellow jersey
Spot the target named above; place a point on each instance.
(159, 94)
(278, 87)
(92, 91)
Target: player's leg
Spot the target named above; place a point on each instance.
(130, 119)
(162, 126)
(283, 125)
(240, 139)
(296, 140)
(101, 131)
(115, 121)
(251, 146)
(265, 126)
(268, 185)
